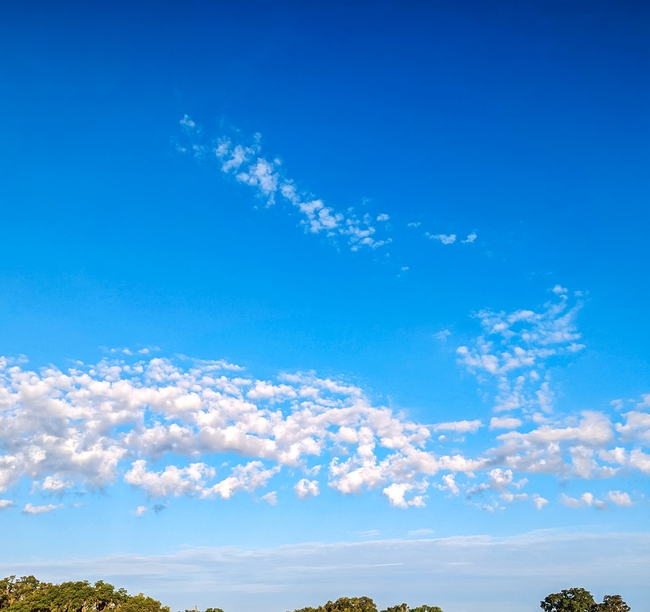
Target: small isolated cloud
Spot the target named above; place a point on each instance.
(470, 238)
(459, 426)
(6, 503)
(383, 217)
(619, 498)
(420, 532)
(442, 335)
(140, 510)
(306, 488)
(414, 224)
(539, 501)
(370, 533)
(31, 509)
(444, 238)
(585, 500)
(187, 124)
(505, 423)
(559, 290)
(271, 498)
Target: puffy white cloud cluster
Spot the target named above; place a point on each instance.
(172, 428)
(266, 177)
(618, 498)
(513, 352)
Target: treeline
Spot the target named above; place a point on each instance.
(364, 604)
(27, 594)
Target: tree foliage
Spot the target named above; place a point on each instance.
(581, 600)
(28, 594)
(364, 604)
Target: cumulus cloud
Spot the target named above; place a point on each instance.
(618, 498)
(271, 498)
(444, 238)
(170, 481)
(6, 503)
(161, 426)
(505, 423)
(396, 493)
(306, 488)
(459, 426)
(31, 509)
(514, 349)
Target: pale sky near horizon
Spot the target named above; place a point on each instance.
(298, 299)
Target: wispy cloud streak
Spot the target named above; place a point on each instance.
(266, 177)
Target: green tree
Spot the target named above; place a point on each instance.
(27, 594)
(345, 604)
(569, 600)
(613, 603)
(404, 608)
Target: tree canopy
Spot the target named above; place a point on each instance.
(364, 604)
(28, 594)
(581, 600)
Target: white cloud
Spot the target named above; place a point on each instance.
(414, 224)
(444, 238)
(505, 423)
(271, 498)
(243, 478)
(587, 499)
(619, 498)
(539, 501)
(31, 509)
(470, 238)
(449, 484)
(268, 180)
(442, 335)
(306, 488)
(52, 484)
(161, 427)
(636, 427)
(459, 426)
(171, 481)
(140, 510)
(6, 503)
(396, 496)
(187, 123)
(420, 532)
(512, 353)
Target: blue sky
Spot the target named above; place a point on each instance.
(367, 276)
